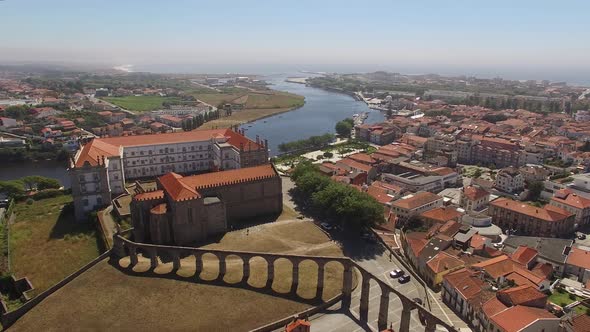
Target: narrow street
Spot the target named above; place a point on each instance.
(375, 258)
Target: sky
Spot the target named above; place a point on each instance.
(408, 36)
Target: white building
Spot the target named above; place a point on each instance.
(582, 116)
(101, 167)
(509, 180)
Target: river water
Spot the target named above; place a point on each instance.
(51, 169)
(318, 116)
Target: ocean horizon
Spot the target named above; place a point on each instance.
(573, 76)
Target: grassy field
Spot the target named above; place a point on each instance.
(563, 298)
(219, 98)
(274, 100)
(141, 103)
(106, 298)
(243, 116)
(46, 244)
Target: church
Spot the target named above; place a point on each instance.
(189, 209)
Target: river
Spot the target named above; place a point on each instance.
(51, 169)
(318, 116)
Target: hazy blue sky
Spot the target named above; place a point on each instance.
(401, 34)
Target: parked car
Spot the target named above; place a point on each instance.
(418, 300)
(581, 236)
(4, 203)
(396, 273)
(325, 226)
(403, 279)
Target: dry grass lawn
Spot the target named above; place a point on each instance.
(46, 244)
(106, 298)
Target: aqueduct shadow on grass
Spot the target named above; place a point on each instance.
(123, 247)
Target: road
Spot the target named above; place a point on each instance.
(375, 258)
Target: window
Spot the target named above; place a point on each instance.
(150, 152)
(85, 202)
(99, 201)
(81, 178)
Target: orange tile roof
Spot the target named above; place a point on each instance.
(93, 151)
(443, 262)
(110, 146)
(177, 189)
(466, 282)
(477, 241)
(497, 266)
(518, 317)
(379, 194)
(158, 194)
(419, 199)
(215, 179)
(416, 241)
(579, 257)
(520, 295)
(546, 213)
(580, 323)
(572, 199)
(355, 164)
(159, 209)
(362, 158)
(474, 192)
(442, 214)
(524, 254)
(493, 306)
(296, 324)
(388, 186)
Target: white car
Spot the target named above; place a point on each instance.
(396, 273)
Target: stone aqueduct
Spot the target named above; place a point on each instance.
(123, 247)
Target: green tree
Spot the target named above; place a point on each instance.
(343, 128)
(585, 147)
(477, 173)
(535, 189)
(12, 188)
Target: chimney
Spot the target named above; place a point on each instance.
(257, 139)
(266, 143)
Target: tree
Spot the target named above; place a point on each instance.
(477, 173)
(12, 188)
(535, 189)
(343, 128)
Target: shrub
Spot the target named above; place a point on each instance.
(572, 297)
(328, 154)
(49, 193)
(29, 201)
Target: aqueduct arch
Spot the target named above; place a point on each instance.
(123, 247)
